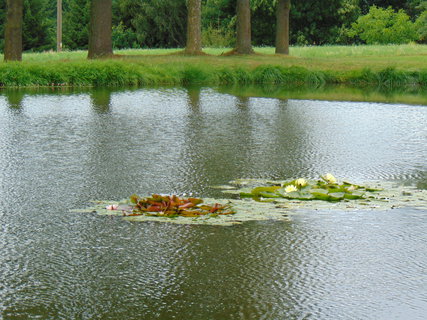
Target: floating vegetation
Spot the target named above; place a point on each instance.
(243, 210)
(174, 206)
(325, 189)
(328, 194)
(274, 200)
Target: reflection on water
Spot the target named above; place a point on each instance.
(405, 94)
(60, 151)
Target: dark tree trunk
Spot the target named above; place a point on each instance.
(194, 27)
(100, 40)
(13, 30)
(282, 31)
(243, 41)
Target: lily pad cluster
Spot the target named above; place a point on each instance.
(326, 188)
(174, 206)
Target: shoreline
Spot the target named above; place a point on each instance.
(353, 66)
(120, 73)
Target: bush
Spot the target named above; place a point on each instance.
(421, 26)
(217, 38)
(384, 26)
(124, 38)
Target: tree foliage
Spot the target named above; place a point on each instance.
(37, 25)
(163, 23)
(421, 23)
(157, 23)
(36, 33)
(76, 18)
(384, 26)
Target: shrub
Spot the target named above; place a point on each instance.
(384, 26)
(124, 38)
(217, 38)
(421, 27)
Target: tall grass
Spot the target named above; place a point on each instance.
(383, 66)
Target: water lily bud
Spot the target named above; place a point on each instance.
(291, 188)
(300, 182)
(330, 178)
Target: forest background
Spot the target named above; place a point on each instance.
(162, 23)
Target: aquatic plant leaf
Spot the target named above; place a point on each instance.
(269, 195)
(354, 195)
(306, 196)
(290, 195)
(372, 189)
(195, 201)
(320, 196)
(327, 188)
(173, 206)
(336, 196)
(134, 199)
(247, 195)
(258, 190)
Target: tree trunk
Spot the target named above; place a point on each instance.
(282, 31)
(243, 41)
(59, 25)
(100, 34)
(13, 30)
(194, 27)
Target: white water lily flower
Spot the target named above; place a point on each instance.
(330, 178)
(290, 188)
(112, 207)
(351, 188)
(300, 182)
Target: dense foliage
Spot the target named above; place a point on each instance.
(384, 26)
(162, 23)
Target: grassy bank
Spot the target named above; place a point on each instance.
(385, 66)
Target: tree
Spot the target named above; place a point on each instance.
(59, 26)
(365, 5)
(100, 40)
(156, 23)
(38, 25)
(13, 30)
(384, 26)
(76, 24)
(421, 22)
(36, 35)
(2, 23)
(194, 27)
(282, 26)
(243, 39)
(218, 21)
(314, 22)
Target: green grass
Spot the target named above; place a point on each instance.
(387, 66)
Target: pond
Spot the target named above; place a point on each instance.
(60, 151)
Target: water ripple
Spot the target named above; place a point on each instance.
(61, 152)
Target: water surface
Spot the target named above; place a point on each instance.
(60, 151)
